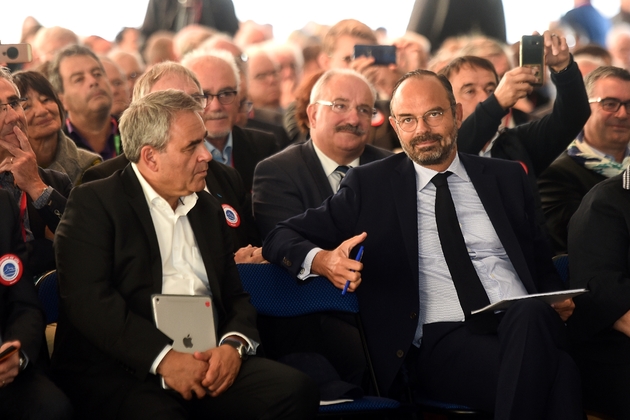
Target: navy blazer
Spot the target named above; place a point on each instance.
(380, 199)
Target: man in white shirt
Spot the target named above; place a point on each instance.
(143, 231)
(422, 276)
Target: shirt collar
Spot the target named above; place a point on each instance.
(184, 205)
(580, 139)
(226, 153)
(425, 175)
(330, 165)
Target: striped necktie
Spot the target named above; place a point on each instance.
(341, 172)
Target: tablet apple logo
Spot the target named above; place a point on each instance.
(188, 341)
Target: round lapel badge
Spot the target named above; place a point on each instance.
(378, 119)
(11, 269)
(231, 216)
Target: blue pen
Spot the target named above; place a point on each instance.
(357, 258)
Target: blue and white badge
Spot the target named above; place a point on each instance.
(11, 269)
(231, 216)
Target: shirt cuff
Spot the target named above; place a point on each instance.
(305, 272)
(43, 198)
(159, 358)
(251, 345)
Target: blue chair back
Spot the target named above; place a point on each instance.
(48, 294)
(562, 266)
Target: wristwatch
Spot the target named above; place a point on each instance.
(240, 347)
(23, 362)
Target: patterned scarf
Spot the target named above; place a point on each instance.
(586, 156)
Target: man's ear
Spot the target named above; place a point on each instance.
(392, 122)
(458, 114)
(311, 112)
(149, 158)
(324, 61)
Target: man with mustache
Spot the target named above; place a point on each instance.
(302, 177)
(241, 148)
(79, 79)
(444, 234)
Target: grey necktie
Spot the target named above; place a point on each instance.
(341, 172)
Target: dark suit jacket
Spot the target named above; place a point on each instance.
(41, 256)
(21, 317)
(109, 265)
(599, 257)
(162, 14)
(223, 182)
(278, 131)
(250, 147)
(380, 199)
(562, 187)
(293, 181)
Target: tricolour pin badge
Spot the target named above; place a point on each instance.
(231, 216)
(11, 269)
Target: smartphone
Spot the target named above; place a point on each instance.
(532, 54)
(383, 54)
(15, 53)
(6, 353)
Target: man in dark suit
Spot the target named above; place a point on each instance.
(412, 294)
(25, 392)
(40, 193)
(601, 151)
(142, 231)
(303, 176)
(222, 181)
(599, 245)
(241, 148)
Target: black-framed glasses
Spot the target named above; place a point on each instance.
(15, 104)
(432, 118)
(200, 98)
(225, 98)
(611, 104)
(343, 107)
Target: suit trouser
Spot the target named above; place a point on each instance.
(33, 396)
(263, 389)
(522, 372)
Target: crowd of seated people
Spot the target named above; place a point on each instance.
(156, 162)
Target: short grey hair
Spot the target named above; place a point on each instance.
(316, 92)
(603, 73)
(145, 83)
(199, 54)
(147, 121)
(5, 74)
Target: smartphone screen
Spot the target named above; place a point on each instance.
(383, 54)
(532, 54)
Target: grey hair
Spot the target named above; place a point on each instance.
(5, 74)
(603, 73)
(145, 83)
(147, 121)
(316, 92)
(199, 54)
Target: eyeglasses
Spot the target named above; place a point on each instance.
(201, 99)
(14, 104)
(225, 98)
(611, 104)
(343, 107)
(265, 75)
(431, 118)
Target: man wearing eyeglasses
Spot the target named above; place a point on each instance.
(229, 144)
(444, 233)
(599, 152)
(302, 177)
(39, 193)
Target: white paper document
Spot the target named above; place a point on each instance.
(552, 297)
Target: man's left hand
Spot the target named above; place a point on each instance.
(564, 308)
(556, 51)
(224, 364)
(23, 165)
(10, 367)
